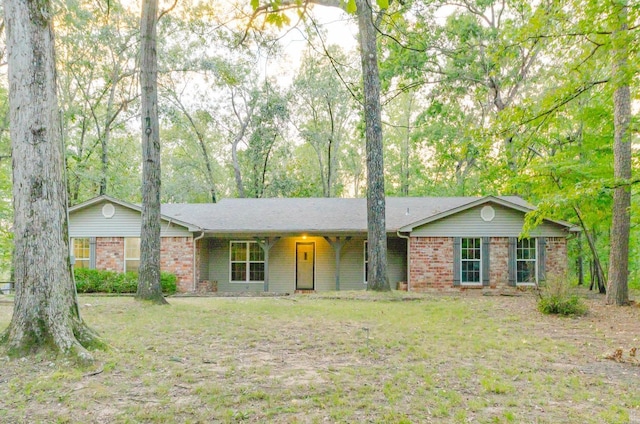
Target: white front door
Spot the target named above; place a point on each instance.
(305, 266)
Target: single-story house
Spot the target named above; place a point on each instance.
(285, 245)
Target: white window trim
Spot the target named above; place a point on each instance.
(246, 261)
(471, 283)
(535, 264)
(126, 258)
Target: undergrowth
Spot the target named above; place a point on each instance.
(556, 297)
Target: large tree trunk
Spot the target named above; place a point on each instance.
(149, 287)
(618, 291)
(377, 235)
(45, 311)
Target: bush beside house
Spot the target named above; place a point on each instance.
(99, 281)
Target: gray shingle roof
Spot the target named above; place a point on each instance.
(318, 215)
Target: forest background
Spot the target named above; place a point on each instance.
(479, 97)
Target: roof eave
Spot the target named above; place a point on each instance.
(408, 228)
(106, 198)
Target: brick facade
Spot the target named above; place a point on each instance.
(110, 253)
(431, 262)
(499, 262)
(176, 257)
(556, 254)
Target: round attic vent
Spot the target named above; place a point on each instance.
(108, 210)
(487, 213)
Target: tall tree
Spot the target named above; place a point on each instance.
(377, 232)
(97, 81)
(324, 112)
(46, 312)
(149, 287)
(377, 236)
(618, 291)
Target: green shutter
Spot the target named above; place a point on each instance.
(456, 261)
(486, 241)
(541, 259)
(512, 260)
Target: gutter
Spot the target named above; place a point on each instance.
(195, 284)
(408, 258)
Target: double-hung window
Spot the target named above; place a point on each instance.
(470, 261)
(526, 261)
(246, 262)
(131, 254)
(81, 252)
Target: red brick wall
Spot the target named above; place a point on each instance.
(430, 263)
(499, 262)
(110, 253)
(556, 255)
(176, 257)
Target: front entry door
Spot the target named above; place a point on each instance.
(305, 264)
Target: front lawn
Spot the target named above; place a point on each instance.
(306, 359)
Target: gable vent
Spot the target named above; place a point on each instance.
(108, 210)
(487, 213)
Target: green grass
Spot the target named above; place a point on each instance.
(306, 359)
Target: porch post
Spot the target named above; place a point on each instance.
(337, 245)
(266, 244)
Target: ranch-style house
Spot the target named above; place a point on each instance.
(286, 245)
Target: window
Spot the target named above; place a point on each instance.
(366, 261)
(526, 261)
(81, 252)
(131, 254)
(246, 262)
(470, 261)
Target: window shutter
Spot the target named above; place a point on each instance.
(486, 241)
(456, 261)
(541, 259)
(512, 260)
(92, 253)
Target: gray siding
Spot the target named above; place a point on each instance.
(468, 223)
(203, 258)
(89, 222)
(397, 261)
(352, 265)
(282, 266)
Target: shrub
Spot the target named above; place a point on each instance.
(556, 298)
(99, 281)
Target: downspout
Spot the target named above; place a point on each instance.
(195, 284)
(408, 258)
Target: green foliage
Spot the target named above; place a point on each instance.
(562, 305)
(556, 298)
(99, 281)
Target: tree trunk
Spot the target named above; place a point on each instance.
(149, 287)
(405, 152)
(618, 290)
(580, 261)
(597, 270)
(104, 142)
(377, 273)
(45, 313)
